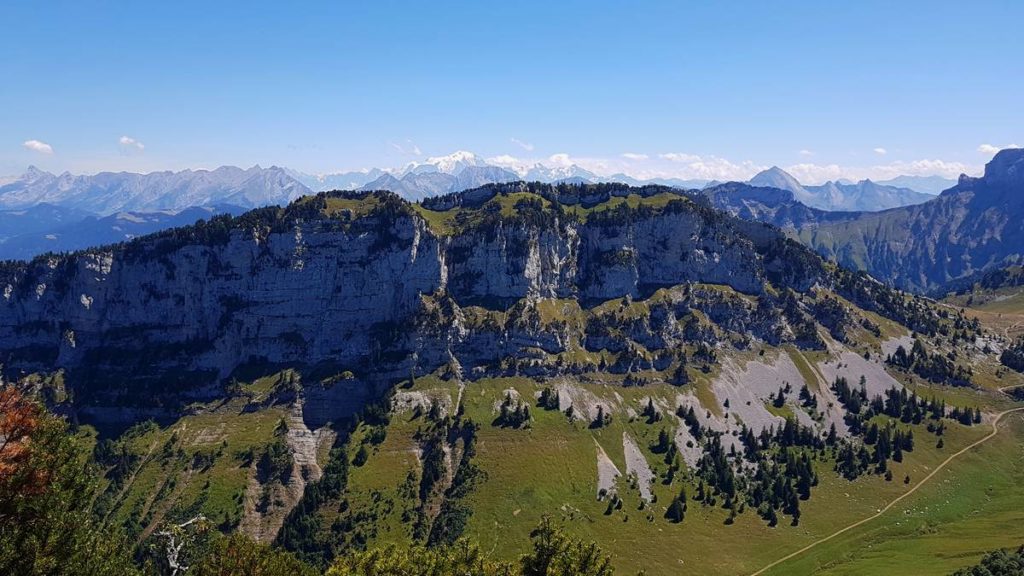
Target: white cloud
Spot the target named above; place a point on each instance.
(808, 173)
(989, 149)
(524, 145)
(813, 174)
(129, 142)
(806, 153)
(880, 151)
(679, 157)
(408, 147)
(634, 156)
(561, 159)
(504, 160)
(38, 146)
(708, 167)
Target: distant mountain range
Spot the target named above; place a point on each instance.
(464, 170)
(109, 192)
(972, 227)
(926, 184)
(41, 212)
(417, 185)
(976, 225)
(862, 196)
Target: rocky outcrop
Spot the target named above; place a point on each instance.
(377, 292)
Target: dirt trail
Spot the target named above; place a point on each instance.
(965, 449)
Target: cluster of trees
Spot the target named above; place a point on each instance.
(907, 407)
(715, 470)
(933, 367)
(651, 413)
(513, 413)
(1013, 356)
(450, 522)
(779, 398)
(915, 312)
(553, 553)
(805, 331)
(889, 442)
(790, 434)
(303, 531)
(830, 313)
(676, 510)
(548, 399)
(807, 399)
(997, 563)
(275, 462)
(601, 419)
(783, 456)
(689, 418)
(966, 416)
(780, 486)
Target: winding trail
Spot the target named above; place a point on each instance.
(901, 497)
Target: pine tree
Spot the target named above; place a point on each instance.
(361, 456)
(676, 511)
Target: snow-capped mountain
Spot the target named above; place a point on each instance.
(337, 180)
(110, 192)
(560, 173)
(417, 185)
(863, 196)
(453, 163)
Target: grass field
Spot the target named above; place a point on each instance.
(974, 505)
(551, 469)
(1001, 310)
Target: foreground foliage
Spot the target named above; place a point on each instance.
(553, 554)
(998, 563)
(46, 487)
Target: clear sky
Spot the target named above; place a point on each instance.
(690, 88)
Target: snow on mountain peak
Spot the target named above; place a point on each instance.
(454, 162)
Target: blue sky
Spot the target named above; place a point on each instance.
(821, 87)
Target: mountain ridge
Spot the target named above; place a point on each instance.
(973, 226)
(840, 196)
(364, 241)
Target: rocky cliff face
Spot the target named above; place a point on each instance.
(372, 287)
